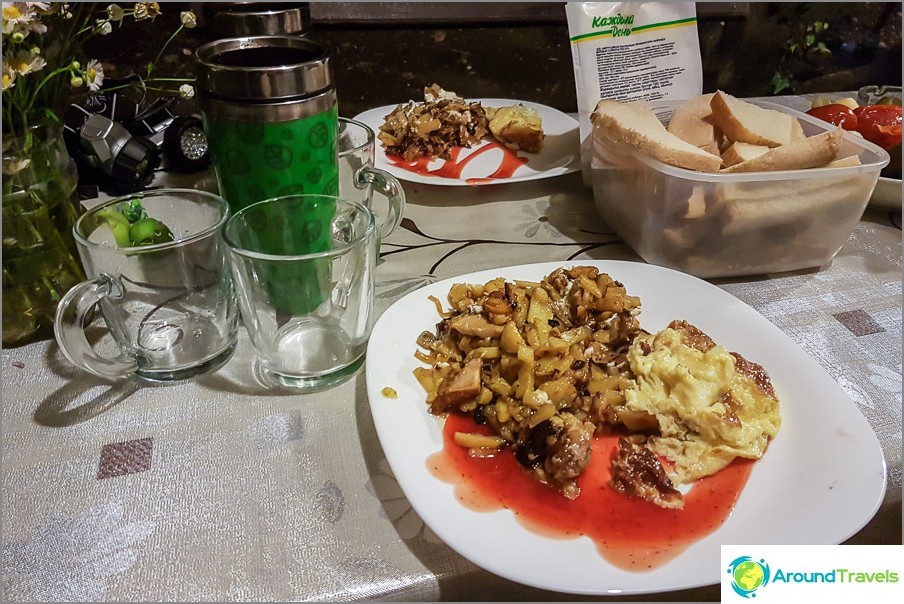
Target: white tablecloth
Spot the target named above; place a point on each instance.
(222, 490)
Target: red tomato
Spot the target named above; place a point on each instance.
(837, 114)
(880, 124)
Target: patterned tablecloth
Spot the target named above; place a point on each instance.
(221, 490)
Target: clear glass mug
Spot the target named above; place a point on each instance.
(170, 307)
(358, 178)
(305, 287)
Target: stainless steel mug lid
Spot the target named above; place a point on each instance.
(260, 18)
(263, 69)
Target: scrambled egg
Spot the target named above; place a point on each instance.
(711, 405)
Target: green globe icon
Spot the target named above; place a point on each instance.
(748, 575)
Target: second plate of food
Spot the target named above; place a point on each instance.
(825, 457)
(488, 162)
(886, 195)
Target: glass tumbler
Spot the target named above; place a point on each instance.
(304, 273)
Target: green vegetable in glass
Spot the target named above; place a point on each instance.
(118, 224)
(132, 227)
(149, 231)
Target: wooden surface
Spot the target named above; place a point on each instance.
(396, 13)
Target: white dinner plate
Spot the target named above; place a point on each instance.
(819, 482)
(886, 195)
(560, 153)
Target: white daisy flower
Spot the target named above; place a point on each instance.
(94, 75)
(16, 15)
(15, 165)
(9, 76)
(24, 62)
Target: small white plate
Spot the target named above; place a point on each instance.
(886, 195)
(820, 481)
(560, 153)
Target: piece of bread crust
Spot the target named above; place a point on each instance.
(692, 122)
(739, 152)
(808, 153)
(636, 125)
(745, 122)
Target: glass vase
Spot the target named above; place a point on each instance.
(40, 206)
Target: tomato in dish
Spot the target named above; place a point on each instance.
(837, 114)
(880, 124)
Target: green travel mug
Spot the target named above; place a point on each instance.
(271, 119)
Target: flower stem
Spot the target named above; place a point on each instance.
(47, 78)
(157, 89)
(171, 80)
(163, 48)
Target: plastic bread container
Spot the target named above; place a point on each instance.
(725, 225)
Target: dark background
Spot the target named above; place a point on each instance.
(384, 53)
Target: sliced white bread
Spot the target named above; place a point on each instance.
(635, 124)
(739, 152)
(696, 204)
(790, 207)
(797, 131)
(692, 122)
(844, 162)
(733, 191)
(712, 147)
(808, 153)
(745, 122)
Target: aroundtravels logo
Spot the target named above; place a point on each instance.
(748, 575)
(873, 572)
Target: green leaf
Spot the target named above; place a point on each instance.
(810, 39)
(780, 82)
(133, 211)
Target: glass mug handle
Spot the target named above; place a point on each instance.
(390, 187)
(69, 329)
